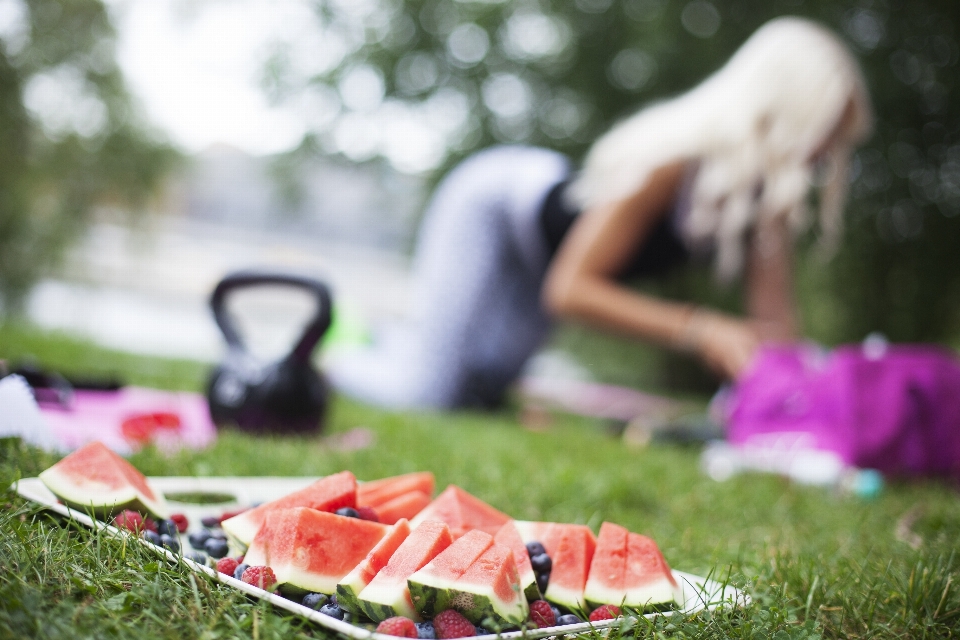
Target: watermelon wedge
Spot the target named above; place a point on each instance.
(326, 494)
(431, 586)
(94, 478)
(377, 492)
(312, 550)
(462, 512)
(387, 595)
(348, 589)
(629, 569)
(509, 537)
(406, 505)
(570, 547)
(490, 590)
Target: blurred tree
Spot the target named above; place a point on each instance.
(464, 74)
(69, 133)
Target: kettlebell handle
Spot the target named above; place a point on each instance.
(312, 333)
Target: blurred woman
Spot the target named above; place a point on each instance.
(512, 238)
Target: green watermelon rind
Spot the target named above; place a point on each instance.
(429, 593)
(482, 608)
(108, 503)
(348, 592)
(379, 602)
(571, 599)
(660, 595)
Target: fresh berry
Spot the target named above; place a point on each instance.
(170, 542)
(556, 611)
(238, 572)
(198, 538)
(450, 624)
(181, 521)
(367, 513)
(535, 548)
(400, 626)
(332, 610)
(196, 556)
(167, 527)
(227, 565)
(604, 612)
(425, 631)
(229, 514)
(152, 537)
(543, 579)
(568, 618)
(480, 631)
(541, 563)
(210, 522)
(314, 600)
(541, 613)
(219, 534)
(259, 576)
(216, 548)
(333, 599)
(131, 521)
(349, 512)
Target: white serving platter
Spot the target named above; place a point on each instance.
(698, 593)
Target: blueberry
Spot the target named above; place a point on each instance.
(167, 527)
(481, 631)
(219, 534)
(535, 548)
(556, 612)
(238, 572)
(332, 610)
(568, 618)
(170, 542)
(314, 600)
(425, 631)
(152, 537)
(333, 599)
(349, 512)
(198, 539)
(541, 563)
(196, 556)
(210, 522)
(543, 579)
(216, 548)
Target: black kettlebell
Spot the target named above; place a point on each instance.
(288, 396)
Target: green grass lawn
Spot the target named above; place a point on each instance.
(816, 564)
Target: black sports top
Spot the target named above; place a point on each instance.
(661, 251)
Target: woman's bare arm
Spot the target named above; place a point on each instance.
(770, 299)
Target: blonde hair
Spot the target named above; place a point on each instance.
(792, 90)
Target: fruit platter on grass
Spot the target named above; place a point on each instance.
(381, 557)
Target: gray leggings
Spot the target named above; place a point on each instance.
(478, 270)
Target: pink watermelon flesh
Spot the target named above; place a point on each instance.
(312, 550)
(378, 492)
(327, 494)
(94, 477)
(387, 595)
(490, 588)
(606, 582)
(628, 569)
(443, 571)
(354, 582)
(406, 505)
(570, 547)
(509, 536)
(462, 512)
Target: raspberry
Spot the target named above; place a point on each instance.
(230, 514)
(398, 626)
(262, 577)
(542, 614)
(367, 513)
(181, 521)
(604, 612)
(227, 566)
(450, 624)
(131, 521)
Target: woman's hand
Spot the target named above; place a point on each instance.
(727, 345)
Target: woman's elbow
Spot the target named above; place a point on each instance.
(558, 295)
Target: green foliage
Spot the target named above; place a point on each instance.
(559, 72)
(80, 146)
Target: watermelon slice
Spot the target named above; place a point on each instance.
(462, 512)
(377, 492)
(387, 595)
(94, 478)
(490, 590)
(430, 587)
(508, 536)
(353, 583)
(312, 550)
(406, 505)
(327, 494)
(570, 547)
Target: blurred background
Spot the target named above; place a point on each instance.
(150, 147)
